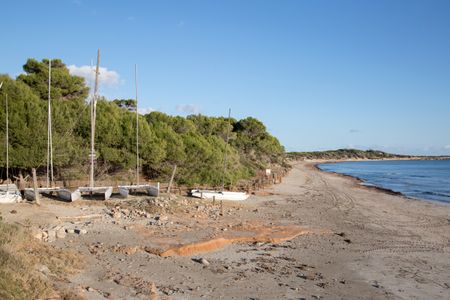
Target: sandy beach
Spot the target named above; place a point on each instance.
(314, 236)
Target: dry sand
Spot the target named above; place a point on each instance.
(314, 236)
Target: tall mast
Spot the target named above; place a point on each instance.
(49, 130)
(7, 143)
(226, 151)
(137, 126)
(93, 115)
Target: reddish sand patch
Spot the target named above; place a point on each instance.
(274, 234)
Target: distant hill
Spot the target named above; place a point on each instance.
(342, 154)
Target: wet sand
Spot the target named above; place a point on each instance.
(315, 236)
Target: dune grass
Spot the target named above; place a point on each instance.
(29, 268)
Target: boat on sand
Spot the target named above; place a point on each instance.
(219, 195)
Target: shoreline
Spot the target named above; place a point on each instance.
(361, 182)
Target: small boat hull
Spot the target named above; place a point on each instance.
(151, 190)
(63, 194)
(9, 194)
(68, 195)
(104, 191)
(8, 197)
(218, 195)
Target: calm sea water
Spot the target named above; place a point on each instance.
(421, 179)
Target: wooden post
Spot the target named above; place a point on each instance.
(35, 187)
(171, 179)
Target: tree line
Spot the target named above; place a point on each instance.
(196, 143)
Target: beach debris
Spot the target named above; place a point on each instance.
(161, 218)
(82, 217)
(49, 234)
(202, 261)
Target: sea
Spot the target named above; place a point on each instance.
(418, 179)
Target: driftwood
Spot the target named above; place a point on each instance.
(171, 179)
(82, 217)
(35, 187)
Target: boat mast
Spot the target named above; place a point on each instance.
(93, 114)
(49, 130)
(137, 126)
(226, 151)
(7, 143)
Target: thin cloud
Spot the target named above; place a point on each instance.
(353, 130)
(188, 108)
(146, 110)
(106, 77)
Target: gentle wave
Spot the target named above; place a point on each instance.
(437, 194)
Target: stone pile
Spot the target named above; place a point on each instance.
(53, 233)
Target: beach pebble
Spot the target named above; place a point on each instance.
(43, 269)
(51, 235)
(164, 218)
(375, 284)
(37, 233)
(80, 231)
(61, 233)
(202, 261)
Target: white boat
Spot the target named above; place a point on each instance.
(219, 195)
(9, 194)
(105, 191)
(8, 197)
(64, 194)
(151, 190)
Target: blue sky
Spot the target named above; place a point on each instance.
(319, 74)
